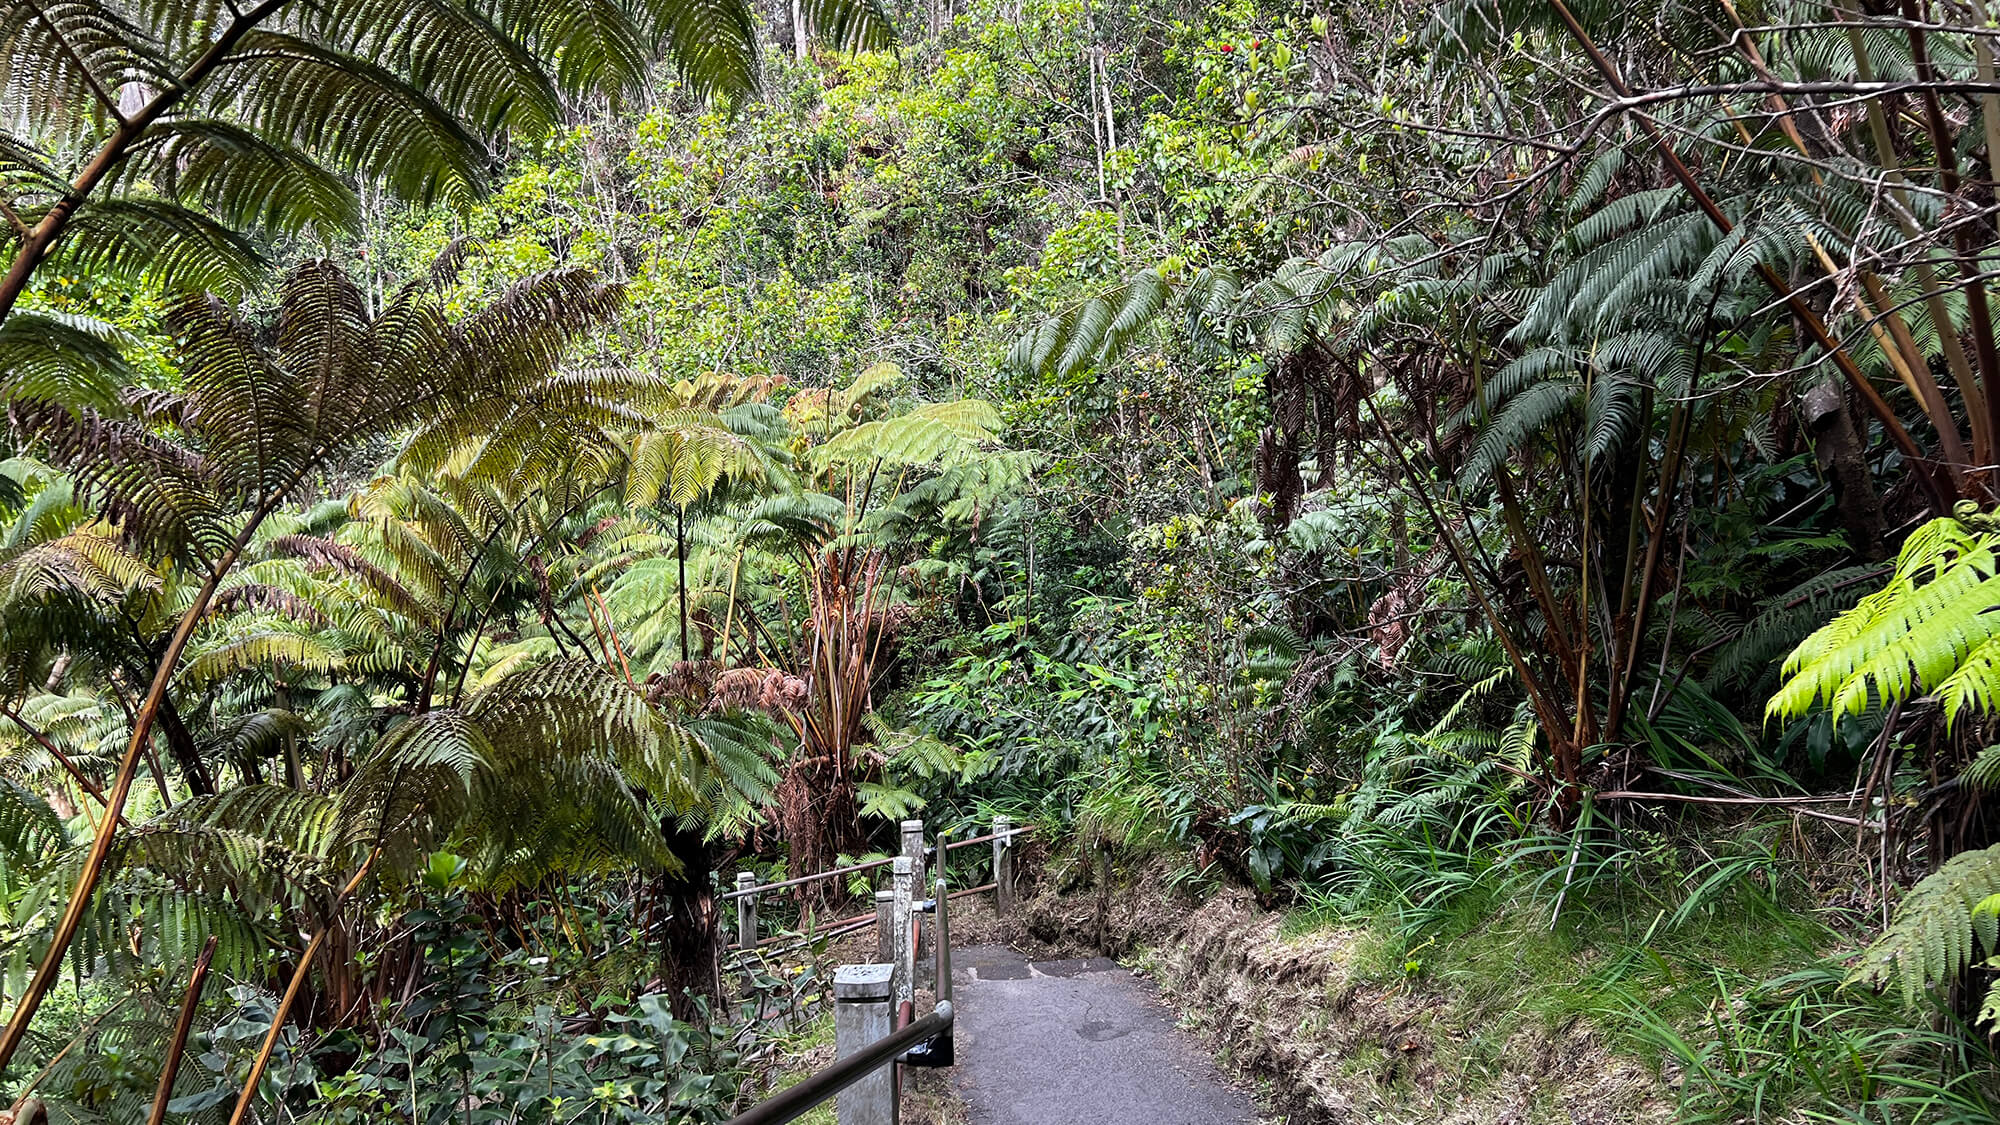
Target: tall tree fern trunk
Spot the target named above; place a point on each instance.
(187, 755)
(692, 965)
(1844, 457)
(820, 817)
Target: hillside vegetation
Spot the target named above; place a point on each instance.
(1497, 501)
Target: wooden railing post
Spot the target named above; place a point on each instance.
(746, 910)
(1003, 866)
(902, 922)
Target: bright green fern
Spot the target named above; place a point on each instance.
(1932, 630)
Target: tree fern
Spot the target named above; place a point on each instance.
(1930, 629)
(30, 831)
(160, 134)
(1939, 927)
(933, 433)
(65, 359)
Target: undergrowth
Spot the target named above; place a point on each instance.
(1717, 973)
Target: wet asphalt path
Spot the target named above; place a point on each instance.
(1081, 1041)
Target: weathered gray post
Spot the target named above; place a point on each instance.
(885, 927)
(1003, 865)
(746, 910)
(905, 914)
(862, 1003)
(913, 847)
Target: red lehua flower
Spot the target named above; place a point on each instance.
(1256, 43)
(1228, 47)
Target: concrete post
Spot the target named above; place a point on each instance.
(885, 927)
(904, 916)
(746, 911)
(913, 846)
(1003, 866)
(862, 1014)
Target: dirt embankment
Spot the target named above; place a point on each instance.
(1329, 1042)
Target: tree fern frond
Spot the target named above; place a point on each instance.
(72, 361)
(935, 433)
(30, 831)
(454, 53)
(285, 649)
(352, 113)
(713, 43)
(1931, 939)
(62, 63)
(161, 242)
(596, 44)
(1783, 622)
(1908, 638)
(850, 25)
(1094, 330)
(243, 180)
(1524, 417)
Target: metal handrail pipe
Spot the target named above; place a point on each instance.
(841, 928)
(990, 837)
(795, 1102)
(762, 887)
(762, 949)
(868, 866)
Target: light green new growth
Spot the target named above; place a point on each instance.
(1930, 631)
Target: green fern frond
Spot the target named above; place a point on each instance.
(939, 433)
(888, 801)
(283, 649)
(1914, 636)
(1984, 769)
(161, 242)
(353, 114)
(242, 179)
(1937, 925)
(73, 361)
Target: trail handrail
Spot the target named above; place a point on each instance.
(814, 878)
(868, 865)
(795, 1102)
(990, 837)
(838, 929)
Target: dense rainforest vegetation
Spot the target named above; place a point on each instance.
(1517, 478)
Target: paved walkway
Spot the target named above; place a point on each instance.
(1071, 1042)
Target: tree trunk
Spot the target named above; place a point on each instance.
(693, 953)
(681, 559)
(185, 753)
(1843, 457)
(820, 819)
